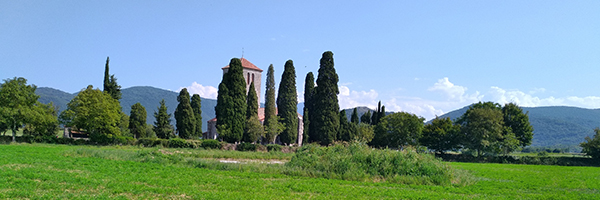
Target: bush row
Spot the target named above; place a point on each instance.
(528, 160)
(146, 142)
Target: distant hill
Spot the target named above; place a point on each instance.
(555, 125)
(149, 97)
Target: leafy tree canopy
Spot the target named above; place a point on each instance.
(94, 111)
(17, 101)
(397, 130)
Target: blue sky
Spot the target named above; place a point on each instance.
(423, 57)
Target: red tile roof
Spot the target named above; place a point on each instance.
(246, 64)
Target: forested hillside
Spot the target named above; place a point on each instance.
(148, 96)
(555, 125)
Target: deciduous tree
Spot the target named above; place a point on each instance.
(397, 130)
(94, 111)
(591, 146)
(518, 122)
(441, 135)
(287, 104)
(17, 100)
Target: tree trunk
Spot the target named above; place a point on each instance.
(14, 132)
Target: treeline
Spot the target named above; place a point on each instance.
(485, 128)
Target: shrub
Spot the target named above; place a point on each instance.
(101, 139)
(273, 147)
(65, 140)
(211, 144)
(178, 143)
(246, 147)
(146, 142)
(45, 139)
(359, 162)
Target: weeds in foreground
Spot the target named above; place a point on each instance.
(346, 162)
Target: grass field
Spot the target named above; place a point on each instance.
(32, 171)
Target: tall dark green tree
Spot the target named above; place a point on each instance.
(287, 104)
(347, 131)
(271, 122)
(376, 115)
(184, 115)
(309, 85)
(137, 120)
(325, 112)
(354, 118)
(106, 76)
(252, 103)
(110, 83)
(518, 122)
(253, 130)
(162, 125)
(196, 107)
(366, 117)
(231, 103)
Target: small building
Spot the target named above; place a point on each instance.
(251, 74)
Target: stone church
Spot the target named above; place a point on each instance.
(251, 74)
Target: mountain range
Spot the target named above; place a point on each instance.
(555, 126)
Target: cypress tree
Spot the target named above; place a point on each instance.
(184, 115)
(354, 118)
(231, 103)
(252, 103)
(343, 131)
(271, 123)
(376, 115)
(137, 120)
(287, 104)
(253, 129)
(325, 108)
(366, 117)
(309, 85)
(106, 76)
(382, 113)
(110, 83)
(162, 125)
(196, 107)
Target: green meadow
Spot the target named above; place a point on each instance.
(41, 171)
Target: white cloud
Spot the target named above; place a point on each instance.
(454, 92)
(209, 92)
(503, 96)
(351, 98)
